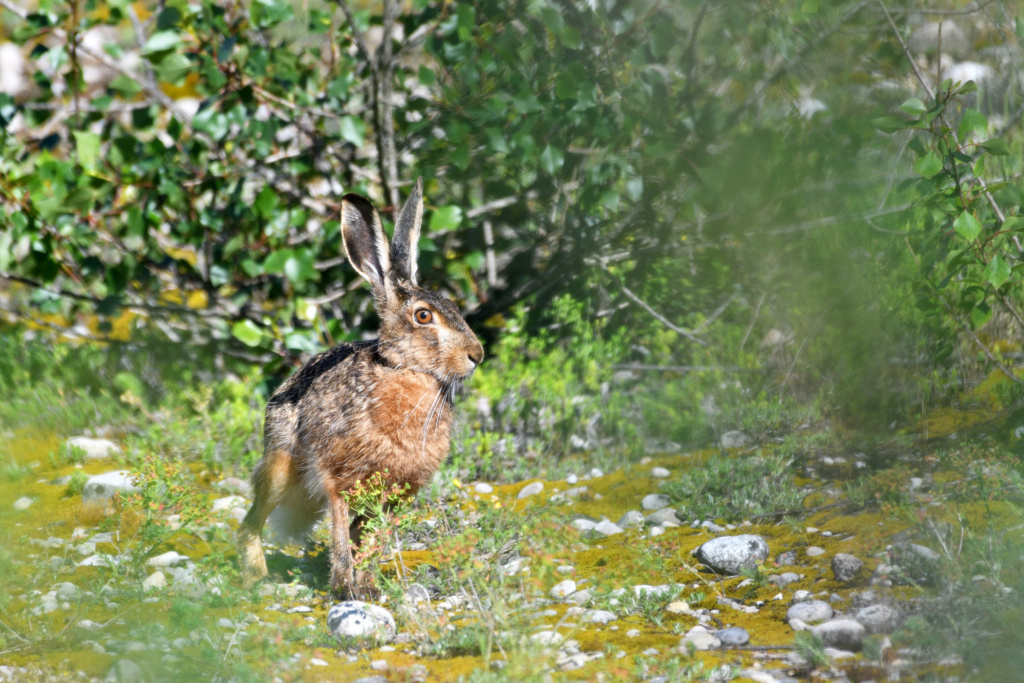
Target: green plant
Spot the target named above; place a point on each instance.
(735, 487)
(165, 488)
(76, 483)
(811, 648)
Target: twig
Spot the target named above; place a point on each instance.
(714, 316)
(681, 368)
(659, 317)
(750, 327)
(492, 206)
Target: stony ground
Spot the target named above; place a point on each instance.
(616, 584)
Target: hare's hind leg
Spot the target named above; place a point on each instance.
(341, 555)
(271, 480)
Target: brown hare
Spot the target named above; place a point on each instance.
(363, 407)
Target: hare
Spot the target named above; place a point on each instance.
(363, 407)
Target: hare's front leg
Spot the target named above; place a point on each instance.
(341, 555)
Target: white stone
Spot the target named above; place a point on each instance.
(168, 559)
(810, 611)
(23, 503)
(228, 503)
(842, 633)
(700, 639)
(547, 638)
(598, 616)
(654, 501)
(660, 473)
(103, 487)
(530, 490)
(483, 488)
(354, 619)
(563, 589)
(317, 662)
(154, 581)
(95, 449)
(814, 551)
(735, 439)
(607, 528)
(733, 554)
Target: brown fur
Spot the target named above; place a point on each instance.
(364, 407)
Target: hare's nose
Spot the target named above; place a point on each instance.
(476, 354)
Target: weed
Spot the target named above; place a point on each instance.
(811, 648)
(67, 454)
(76, 483)
(734, 487)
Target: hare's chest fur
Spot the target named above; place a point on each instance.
(394, 420)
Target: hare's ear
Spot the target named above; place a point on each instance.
(365, 242)
(404, 248)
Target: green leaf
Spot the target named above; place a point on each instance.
(266, 202)
(997, 271)
(980, 315)
(426, 76)
(268, 13)
(1013, 224)
(995, 147)
(891, 124)
(445, 218)
(967, 226)
(87, 145)
(353, 130)
(247, 332)
(929, 164)
(552, 159)
(914, 107)
(972, 122)
(274, 264)
(161, 43)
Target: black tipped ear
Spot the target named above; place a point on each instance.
(405, 247)
(365, 242)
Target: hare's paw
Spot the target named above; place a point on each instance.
(365, 587)
(254, 563)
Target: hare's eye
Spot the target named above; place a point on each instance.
(423, 316)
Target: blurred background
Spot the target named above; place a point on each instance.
(673, 224)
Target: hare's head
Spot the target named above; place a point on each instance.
(419, 329)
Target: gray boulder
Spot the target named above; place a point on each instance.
(356, 620)
(845, 567)
(103, 487)
(733, 554)
(843, 633)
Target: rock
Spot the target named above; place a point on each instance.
(663, 517)
(733, 554)
(354, 619)
(23, 503)
(168, 559)
(607, 528)
(878, 618)
(654, 501)
(95, 449)
(700, 639)
(814, 551)
(565, 569)
(571, 479)
(239, 487)
(631, 519)
(925, 40)
(656, 531)
(563, 589)
(811, 611)
(712, 527)
(733, 637)
(580, 597)
(582, 524)
(67, 592)
(103, 487)
(786, 559)
(800, 596)
(317, 662)
(530, 490)
(371, 679)
(154, 581)
(228, 503)
(547, 638)
(842, 633)
(735, 439)
(417, 594)
(845, 567)
(598, 616)
(784, 579)
(864, 599)
(660, 473)
(379, 665)
(483, 489)
(125, 671)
